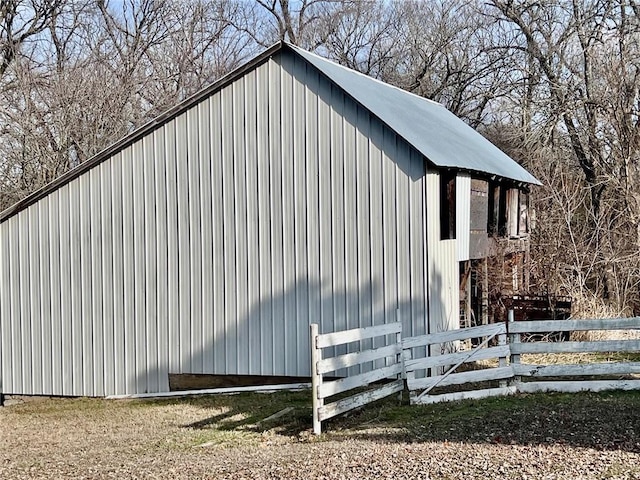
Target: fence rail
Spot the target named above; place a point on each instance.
(322, 389)
(577, 376)
(413, 359)
(442, 369)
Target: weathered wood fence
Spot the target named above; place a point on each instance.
(441, 370)
(389, 354)
(426, 365)
(571, 377)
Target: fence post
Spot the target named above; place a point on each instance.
(514, 338)
(502, 361)
(316, 379)
(400, 359)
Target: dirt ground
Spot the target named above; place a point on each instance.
(527, 437)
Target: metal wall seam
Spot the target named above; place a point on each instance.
(117, 294)
(325, 213)
(316, 285)
(194, 323)
(13, 379)
(373, 155)
(128, 318)
(184, 266)
(206, 232)
(106, 278)
(289, 128)
(97, 225)
(302, 278)
(151, 277)
(253, 219)
(276, 327)
(335, 206)
(240, 201)
(160, 195)
(263, 132)
(36, 339)
(64, 220)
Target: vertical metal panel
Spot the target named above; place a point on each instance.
(173, 248)
(64, 219)
(228, 222)
(33, 308)
(389, 222)
(44, 292)
(240, 227)
(55, 366)
(303, 280)
(85, 286)
(327, 318)
(151, 277)
(207, 256)
(253, 221)
(25, 301)
(288, 333)
(97, 226)
(139, 256)
(376, 225)
(193, 334)
(264, 214)
(75, 258)
(5, 310)
(275, 183)
(184, 267)
(106, 232)
(117, 282)
(129, 318)
(418, 246)
(15, 375)
(403, 245)
(362, 221)
(463, 212)
(310, 78)
(219, 353)
(161, 195)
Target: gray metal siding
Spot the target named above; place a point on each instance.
(443, 270)
(209, 245)
(463, 215)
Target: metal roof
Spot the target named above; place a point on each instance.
(444, 139)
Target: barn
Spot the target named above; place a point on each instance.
(292, 191)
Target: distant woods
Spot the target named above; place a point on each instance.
(554, 83)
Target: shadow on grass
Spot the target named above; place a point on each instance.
(249, 412)
(602, 421)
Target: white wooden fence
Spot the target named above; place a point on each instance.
(443, 368)
(322, 389)
(426, 365)
(570, 377)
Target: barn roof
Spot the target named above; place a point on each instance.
(444, 139)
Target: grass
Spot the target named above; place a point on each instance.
(187, 437)
(230, 420)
